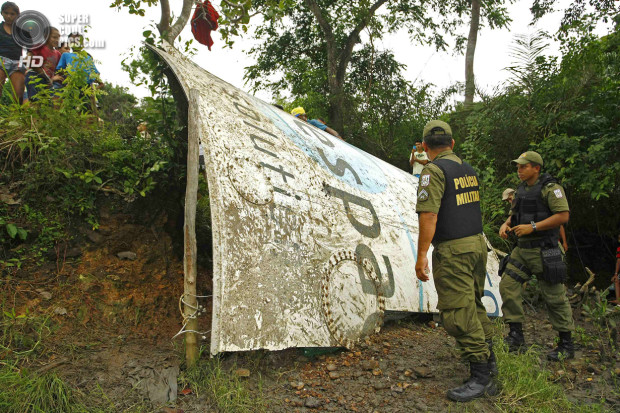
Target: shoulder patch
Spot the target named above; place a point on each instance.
(423, 195)
(558, 193)
(425, 180)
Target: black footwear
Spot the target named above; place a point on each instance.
(565, 349)
(492, 363)
(479, 384)
(514, 339)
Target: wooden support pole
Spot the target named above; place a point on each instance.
(189, 256)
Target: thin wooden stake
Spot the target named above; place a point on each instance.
(189, 256)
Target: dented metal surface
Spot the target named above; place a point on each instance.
(313, 238)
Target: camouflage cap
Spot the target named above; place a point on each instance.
(528, 157)
(436, 127)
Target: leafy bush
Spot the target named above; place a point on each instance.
(567, 111)
(58, 158)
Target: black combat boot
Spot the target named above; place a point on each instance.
(492, 360)
(515, 340)
(565, 349)
(479, 384)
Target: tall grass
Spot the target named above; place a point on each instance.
(526, 385)
(21, 392)
(223, 389)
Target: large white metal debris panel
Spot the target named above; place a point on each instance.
(313, 238)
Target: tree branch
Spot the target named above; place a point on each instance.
(353, 38)
(181, 22)
(164, 23)
(325, 26)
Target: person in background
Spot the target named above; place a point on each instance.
(418, 159)
(300, 113)
(64, 48)
(562, 240)
(45, 75)
(82, 63)
(11, 53)
(508, 195)
(539, 209)
(86, 64)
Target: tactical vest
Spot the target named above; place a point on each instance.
(459, 214)
(529, 206)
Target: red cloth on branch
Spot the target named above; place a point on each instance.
(204, 21)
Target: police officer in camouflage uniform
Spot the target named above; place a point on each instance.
(449, 213)
(537, 212)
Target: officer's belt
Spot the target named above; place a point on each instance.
(519, 266)
(539, 243)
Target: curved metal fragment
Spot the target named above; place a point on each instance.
(313, 239)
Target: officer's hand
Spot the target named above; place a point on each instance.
(421, 268)
(524, 229)
(504, 230)
(565, 246)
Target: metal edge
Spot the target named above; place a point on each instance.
(215, 207)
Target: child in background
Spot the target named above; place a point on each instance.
(38, 76)
(64, 48)
(83, 64)
(418, 159)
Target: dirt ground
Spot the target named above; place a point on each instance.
(113, 319)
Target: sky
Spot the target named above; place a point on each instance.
(120, 31)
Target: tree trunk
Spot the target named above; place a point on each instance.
(470, 86)
(338, 59)
(336, 93)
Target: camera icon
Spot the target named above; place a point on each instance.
(31, 29)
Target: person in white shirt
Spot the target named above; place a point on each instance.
(418, 159)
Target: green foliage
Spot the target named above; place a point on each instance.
(385, 112)
(606, 318)
(60, 160)
(117, 107)
(21, 335)
(580, 16)
(567, 111)
(134, 7)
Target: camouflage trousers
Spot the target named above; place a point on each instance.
(459, 272)
(554, 295)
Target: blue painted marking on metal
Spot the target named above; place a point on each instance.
(371, 176)
(415, 258)
(489, 280)
(488, 293)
